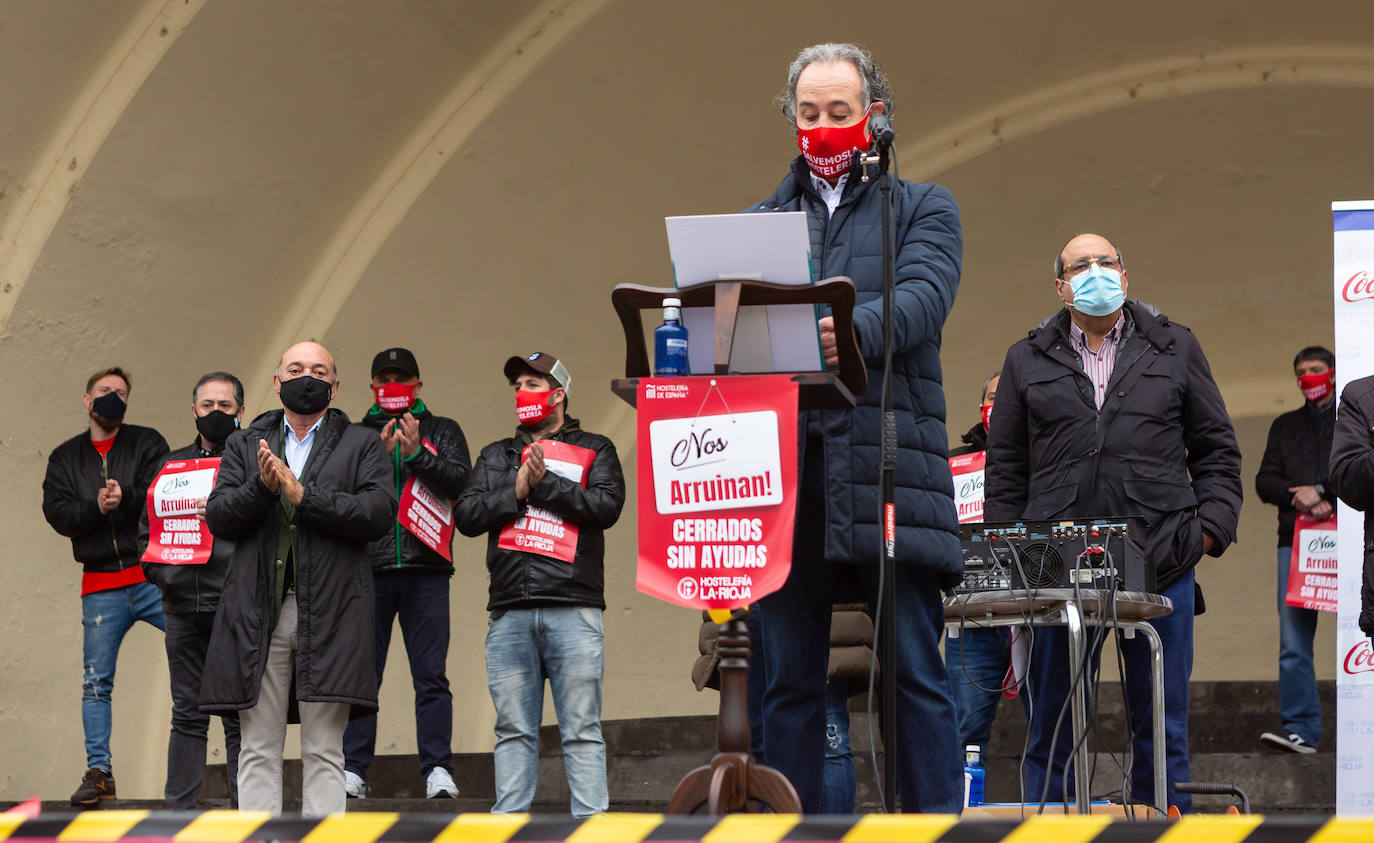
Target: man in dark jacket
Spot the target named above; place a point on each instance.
(1352, 476)
(1292, 476)
(93, 493)
(190, 597)
(831, 90)
(1109, 409)
(300, 493)
(410, 576)
(545, 498)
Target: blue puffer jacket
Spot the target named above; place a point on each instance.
(929, 253)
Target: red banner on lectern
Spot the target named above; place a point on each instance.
(717, 488)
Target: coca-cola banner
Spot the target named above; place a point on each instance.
(967, 470)
(717, 488)
(176, 535)
(1353, 293)
(1312, 567)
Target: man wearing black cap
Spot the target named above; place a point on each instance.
(411, 570)
(544, 497)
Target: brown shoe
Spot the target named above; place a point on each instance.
(95, 785)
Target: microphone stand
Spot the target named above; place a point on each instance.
(887, 472)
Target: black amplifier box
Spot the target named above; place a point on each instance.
(1101, 553)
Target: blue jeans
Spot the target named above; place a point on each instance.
(105, 617)
(978, 661)
(564, 646)
(1050, 674)
(796, 636)
(1299, 705)
(837, 777)
(421, 600)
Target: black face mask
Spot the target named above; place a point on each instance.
(216, 426)
(305, 395)
(109, 406)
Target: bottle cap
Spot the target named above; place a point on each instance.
(672, 302)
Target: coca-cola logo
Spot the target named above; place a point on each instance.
(1321, 544)
(1360, 659)
(1358, 287)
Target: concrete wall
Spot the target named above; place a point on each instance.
(187, 186)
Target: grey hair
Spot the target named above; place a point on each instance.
(982, 396)
(1059, 255)
(234, 383)
(875, 86)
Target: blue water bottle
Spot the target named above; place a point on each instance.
(974, 772)
(670, 341)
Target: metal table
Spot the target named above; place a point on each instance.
(1074, 609)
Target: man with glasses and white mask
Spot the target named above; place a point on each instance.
(1108, 408)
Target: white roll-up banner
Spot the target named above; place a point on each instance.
(1354, 306)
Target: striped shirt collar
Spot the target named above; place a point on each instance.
(1080, 339)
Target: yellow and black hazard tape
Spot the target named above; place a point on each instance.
(237, 827)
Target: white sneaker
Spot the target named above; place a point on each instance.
(354, 786)
(439, 785)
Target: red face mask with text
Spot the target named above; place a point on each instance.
(987, 415)
(395, 398)
(828, 150)
(531, 408)
(1317, 387)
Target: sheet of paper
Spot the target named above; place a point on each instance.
(768, 247)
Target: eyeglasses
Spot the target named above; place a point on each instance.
(1078, 267)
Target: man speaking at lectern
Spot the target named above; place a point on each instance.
(832, 90)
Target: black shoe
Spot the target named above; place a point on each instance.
(95, 785)
(1293, 742)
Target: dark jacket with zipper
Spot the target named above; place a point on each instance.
(929, 252)
(1352, 476)
(522, 580)
(188, 588)
(445, 472)
(346, 504)
(76, 473)
(1296, 455)
(1161, 448)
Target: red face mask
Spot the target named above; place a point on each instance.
(828, 150)
(395, 398)
(1317, 387)
(987, 415)
(531, 408)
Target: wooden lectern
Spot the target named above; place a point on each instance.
(732, 782)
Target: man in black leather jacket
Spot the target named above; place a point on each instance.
(544, 497)
(411, 578)
(93, 493)
(190, 597)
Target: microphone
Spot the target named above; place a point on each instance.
(880, 127)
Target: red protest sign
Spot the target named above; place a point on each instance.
(427, 514)
(539, 530)
(175, 535)
(717, 488)
(1312, 568)
(967, 470)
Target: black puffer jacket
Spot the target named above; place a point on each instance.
(77, 473)
(1295, 455)
(1352, 475)
(347, 503)
(188, 588)
(1161, 448)
(929, 251)
(445, 472)
(522, 580)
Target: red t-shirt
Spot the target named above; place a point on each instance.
(92, 582)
